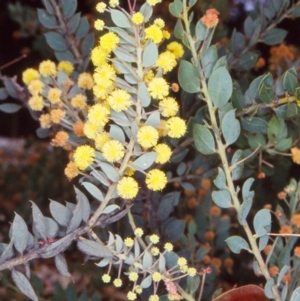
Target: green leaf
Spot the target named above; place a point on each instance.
(274, 36)
(147, 260)
(255, 125)
(244, 210)
(61, 213)
(69, 7)
(20, 233)
(284, 144)
(246, 192)
(192, 228)
(192, 283)
(175, 8)
(49, 7)
(188, 77)
(56, 41)
(221, 62)
(144, 95)
(200, 30)
(292, 110)
(209, 59)
(116, 133)
(237, 99)
(268, 288)
(83, 28)
(262, 220)
(150, 55)
(24, 285)
(146, 282)
(3, 94)
(65, 56)
(178, 29)
(266, 94)
(220, 180)
(93, 190)
(231, 128)
(237, 243)
(238, 42)
(220, 87)
(222, 198)
(204, 140)
(167, 204)
(10, 108)
(110, 171)
(119, 18)
(173, 229)
(46, 19)
(87, 44)
(73, 23)
(153, 119)
(295, 294)
(238, 169)
(289, 81)
(255, 140)
(247, 61)
(295, 13)
(93, 248)
(146, 10)
(277, 129)
(144, 161)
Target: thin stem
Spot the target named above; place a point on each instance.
(201, 287)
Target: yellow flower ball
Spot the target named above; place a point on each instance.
(105, 72)
(65, 66)
(119, 100)
(133, 276)
(158, 88)
(36, 87)
(100, 7)
(54, 95)
(79, 101)
(153, 2)
(99, 56)
(147, 136)
(138, 232)
(163, 153)
(71, 170)
(156, 180)
(159, 22)
(154, 33)
(118, 282)
(109, 41)
(101, 139)
(168, 107)
(154, 251)
(176, 48)
(154, 239)
(128, 242)
(47, 68)
(156, 276)
(106, 278)
(127, 188)
(154, 298)
(91, 130)
(131, 296)
(113, 151)
(114, 3)
(98, 115)
(168, 247)
(166, 61)
(192, 272)
(181, 261)
(85, 81)
(57, 115)
(29, 75)
(84, 156)
(45, 121)
(137, 18)
(176, 127)
(99, 25)
(36, 103)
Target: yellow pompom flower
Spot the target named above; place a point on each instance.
(85, 81)
(163, 130)
(164, 153)
(166, 34)
(295, 154)
(98, 115)
(100, 7)
(156, 179)
(138, 289)
(168, 107)
(36, 103)
(131, 296)
(109, 41)
(158, 88)
(29, 75)
(101, 139)
(99, 56)
(154, 239)
(166, 61)
(57, 115)
(154, 251)
(147, 136)
(113, 151)
(154, 33)
(159, 22)
(181, 261)
(156, 276)
(138, 232)
(66, 67)
(99, 25)
(153, 2)
(54, 95)
(127, 188)
(78, 128)
(36, 87)
(71, 170)
(79, 101)
(137, 18)
(154, 298)
(118, 282)
(84, 156)
(149, 76)
(168, 247)
(104, 72)
(184, 269)
(91, 130)
(133, 276)
(128, 242)
(192, 272)
(176, 48)
(47, 68)
(103, 88)
(119, 100)
(106, 278)
(114, 3)
(61, 138)
(176, 127)
(45, 121)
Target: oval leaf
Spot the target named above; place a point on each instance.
(231, 128)
(237, 243)
(188, 77)
(204, 140)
